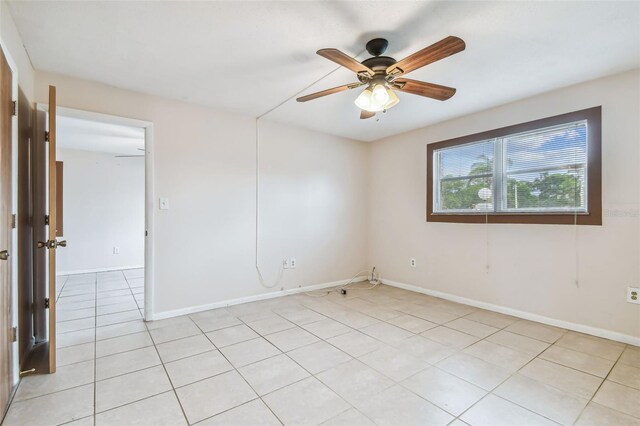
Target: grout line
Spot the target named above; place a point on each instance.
(61, 288)
(237, 371)
(602, 383)
(175, 393)
(95, 353)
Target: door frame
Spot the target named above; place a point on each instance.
(149, 193)
(14, 202)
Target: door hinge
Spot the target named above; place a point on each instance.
(15, 108)
(46, 303)
(14, 334)
(13, 221)
(46, 136)
(46, 219)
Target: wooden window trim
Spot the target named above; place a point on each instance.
(594, 174)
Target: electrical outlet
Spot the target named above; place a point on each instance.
(285, 264)
(164, 204)
(412, 262)
(116, 250)
(292, 263)
(633, 295)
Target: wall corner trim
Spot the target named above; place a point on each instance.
(594, 331)
(255, 298)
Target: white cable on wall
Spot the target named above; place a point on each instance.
(257, 224)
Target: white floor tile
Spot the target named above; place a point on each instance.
(121, 390)
(250, 351)
(399, 406)
(307, 402)
(355, 381)
(253, 413)
(395, 364)
(126, 362)
(182, 348)
(52, 409)
(318, 357)
(212, 396)
(66, 377)
(448, 392)
(493, 410)
(542, 399)
(198, 367)
(123, 344)
(231, 335)
(272, 373)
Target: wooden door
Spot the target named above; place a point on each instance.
(6, 212)
(53, 232)
(39, 221)
(42, 359)
(25, 230)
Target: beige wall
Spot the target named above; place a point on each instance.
(531, 268)
(204, 162)
(338, 206)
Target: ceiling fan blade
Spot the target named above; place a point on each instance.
(345, 60)
(366, 114)
(329, 92)
(440, 50)
(430, 90)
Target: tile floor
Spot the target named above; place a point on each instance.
(385, 356)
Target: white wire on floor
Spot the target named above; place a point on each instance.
(374, 280)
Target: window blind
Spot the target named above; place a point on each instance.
(543, 170)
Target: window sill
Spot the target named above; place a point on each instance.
(522, 218)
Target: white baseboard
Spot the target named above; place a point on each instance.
(594, 331)
(264, 296)
(88, 271)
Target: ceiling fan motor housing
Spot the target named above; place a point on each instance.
(377, 46)
(377, 63)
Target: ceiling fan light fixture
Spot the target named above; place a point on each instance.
(393, 99)
(364, 101)
(377, 97)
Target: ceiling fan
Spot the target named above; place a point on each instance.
(381, 74)
(131, 156)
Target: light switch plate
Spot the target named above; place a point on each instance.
(164, 204)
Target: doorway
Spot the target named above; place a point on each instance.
(104, 169)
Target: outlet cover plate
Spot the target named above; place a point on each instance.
(633, 295)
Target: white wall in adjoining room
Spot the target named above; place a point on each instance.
(103, 201)
(204, 162)
(530, 268)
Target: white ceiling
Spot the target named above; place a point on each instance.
(248, 57)
(75, 133)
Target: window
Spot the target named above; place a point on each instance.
(544, 171)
